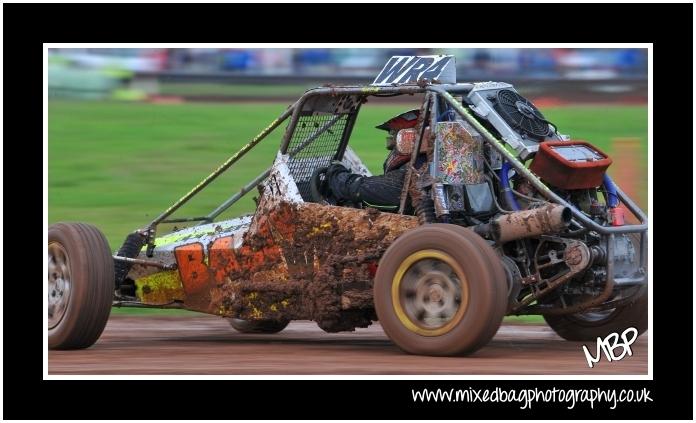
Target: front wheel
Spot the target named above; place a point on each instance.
(440, 290)
(80, 285)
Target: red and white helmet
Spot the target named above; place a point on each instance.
(404, 120)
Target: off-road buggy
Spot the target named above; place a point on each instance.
(507, 217)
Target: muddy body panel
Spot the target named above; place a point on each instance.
(288, 261)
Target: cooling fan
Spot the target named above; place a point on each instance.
(521, 114)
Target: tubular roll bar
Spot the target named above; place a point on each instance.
(256, 181)
(222, 168)
(337, 91)
(294, 112)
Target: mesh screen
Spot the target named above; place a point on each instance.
(310, 148)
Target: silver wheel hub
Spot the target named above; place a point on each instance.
(432, 293)
(59, 283)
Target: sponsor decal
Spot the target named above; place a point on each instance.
(411, 69)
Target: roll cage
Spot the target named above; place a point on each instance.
(318, 132)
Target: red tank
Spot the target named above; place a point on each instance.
(570, 164)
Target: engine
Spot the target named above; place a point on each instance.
(550, 258)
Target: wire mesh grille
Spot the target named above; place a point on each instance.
(314, 144)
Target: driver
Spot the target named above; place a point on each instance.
(382, 192)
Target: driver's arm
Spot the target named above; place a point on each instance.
(382, 192)
(343, 184)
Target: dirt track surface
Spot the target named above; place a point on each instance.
(208, 345)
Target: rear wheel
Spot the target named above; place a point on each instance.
(259, 326)
(80, 285)
(589, 325)
(440, 290)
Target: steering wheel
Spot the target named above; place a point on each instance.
(319, 186)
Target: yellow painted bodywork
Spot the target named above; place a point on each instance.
(160, 288)
(177, 236)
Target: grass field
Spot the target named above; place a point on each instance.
(117, 165)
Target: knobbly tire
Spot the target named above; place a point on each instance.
(440, 290)
(80, 285)
(258, 326)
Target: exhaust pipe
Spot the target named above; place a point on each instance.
(549, 219)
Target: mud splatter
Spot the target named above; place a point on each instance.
(308, 261)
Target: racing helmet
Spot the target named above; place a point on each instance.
(404, 120)
(394, 125)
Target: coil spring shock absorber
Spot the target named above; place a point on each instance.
(425, 209)
(130, 248)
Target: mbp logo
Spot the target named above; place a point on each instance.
(404, 69)
(609, 345)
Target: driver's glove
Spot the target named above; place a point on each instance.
(335, 168)
(343, 184)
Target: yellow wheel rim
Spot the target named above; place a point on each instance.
(434, 292)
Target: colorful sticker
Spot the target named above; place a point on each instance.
(460, 154)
